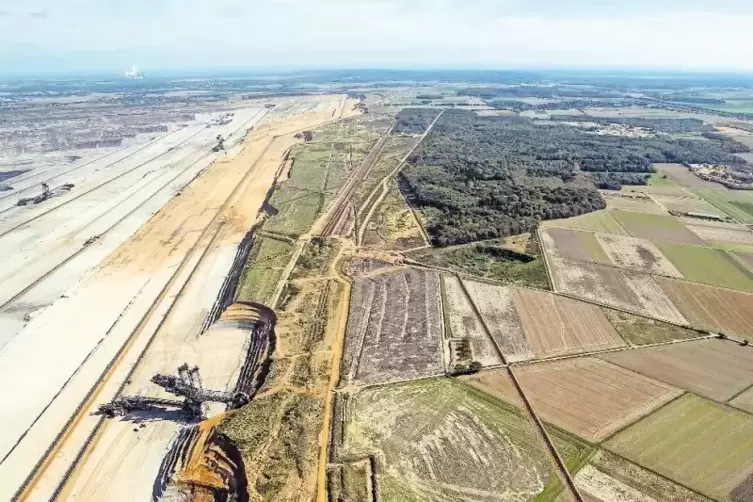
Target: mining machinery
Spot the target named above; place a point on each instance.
(186, 384)
(47, 193)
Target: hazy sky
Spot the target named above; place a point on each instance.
(110, 35)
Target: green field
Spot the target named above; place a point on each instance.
(643, 331)
(708, 266)
(598, 221)
(266, 263)
(701, 444)
(655, 227)
(736, 203)
(442, 440)
(660, 180)
(730, 105)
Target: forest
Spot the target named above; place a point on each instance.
(484, 177)
(414, 120)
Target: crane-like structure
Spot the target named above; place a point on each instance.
(186, 384)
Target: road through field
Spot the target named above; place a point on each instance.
(128, 320)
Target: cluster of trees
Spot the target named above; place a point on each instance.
(534, 91)
(414, 120)
(429, 97)
(486, 177)
(615, 181)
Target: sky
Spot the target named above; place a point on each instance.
(111, 35)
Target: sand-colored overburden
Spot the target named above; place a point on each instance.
(167, 277)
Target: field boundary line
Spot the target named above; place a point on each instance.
(626, 426)
(738, 394)
(545, 255)
(559, 462)
(446, 326)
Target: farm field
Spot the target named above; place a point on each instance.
(688, 204)
(708, 266)
(464, 326)
(442, 440)
(668, 188)
(611, 478)
(631, 291)
(556, 326)
(717, 369)
(497, 307)
(637, 330)
(395, 328)
(736, 203)
(739, 235)
(573, 244)
(597, 221)
(636, 254)
(656, 227)
(635, 204)
(684, 176)
(700, 444)
(715, 309)
(587, 397)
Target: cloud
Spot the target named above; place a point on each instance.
(40, 14)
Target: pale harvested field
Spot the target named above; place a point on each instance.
(709, 234)
(464, 323)
(496, 382)
(573, 244)
(637, 254)
(639, 205)
(673, 190)
(717, 369)
(688, 205)
(715, 309)
(699, 222)
(631, 291)
(587, 397)
(496, 304)
(701, 444)
(683, 176)
(604, 488)
(598, 221)
(556, 326)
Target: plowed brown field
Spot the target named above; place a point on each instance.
(556, 326)
(590, 397)
(716, 309)
(716, 369)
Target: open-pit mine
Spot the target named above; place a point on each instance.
(119, 333)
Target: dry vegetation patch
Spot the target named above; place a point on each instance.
(393, 225)
(442, 440)
(556, 326)
(637, 330)
(496, 305)
(465, 326)
(688, 204)
(394, 328)
(717, 369)
(637, 254)
(715, 309)
(643, 204)
(699, 443)
(622, 289)
(684, 176)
